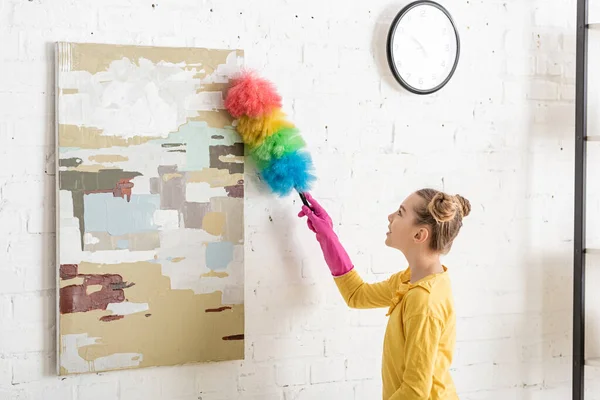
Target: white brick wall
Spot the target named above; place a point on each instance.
(501, 133)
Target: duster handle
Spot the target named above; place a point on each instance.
(303, 197)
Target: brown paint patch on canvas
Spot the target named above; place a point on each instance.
(69, 91)
(167, 169)
(214, 223)
(68, 271)
(122, 189)
(69, 162)
(154, 185)
(199, 334)
(193, 214)
(215, 153)
(76, 299)
(92, 138)
(171, 188)
(177, 259)
(220, 309)
(234, 337)
(105, 180)
(108, 318)
(235, 191)
(77, 197)
(172, 194)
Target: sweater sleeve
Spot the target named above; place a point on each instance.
(422, 334)
(359, 294)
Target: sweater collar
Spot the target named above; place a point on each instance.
(426, 282)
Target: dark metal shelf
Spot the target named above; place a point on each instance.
(579, 220)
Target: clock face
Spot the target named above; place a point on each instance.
(423, 47)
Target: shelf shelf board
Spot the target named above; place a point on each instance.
(593, 362)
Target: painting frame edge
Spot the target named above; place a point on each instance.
(62, 51)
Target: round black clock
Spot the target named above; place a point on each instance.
(423, 47)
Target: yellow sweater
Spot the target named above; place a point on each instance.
(420, 335)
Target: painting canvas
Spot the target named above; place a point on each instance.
(150, 208)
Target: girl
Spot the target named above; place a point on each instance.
(420, 335)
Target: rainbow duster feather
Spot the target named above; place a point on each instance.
(275, 144)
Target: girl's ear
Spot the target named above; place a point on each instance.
(421, 235)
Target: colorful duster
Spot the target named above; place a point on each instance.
(274, 143)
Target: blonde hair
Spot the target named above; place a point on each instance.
(443, 213)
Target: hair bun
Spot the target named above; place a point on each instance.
(442, 207)
(465, 205)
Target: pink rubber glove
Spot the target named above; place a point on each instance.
(337, 259)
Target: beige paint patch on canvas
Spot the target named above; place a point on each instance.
(205, 59)
(212, 87)
(232, 159)
(108, 158)
(216, 119)
(140, 241)
(234, 209)
(168, 177)
(92, 138)
(74, 281)
(215, 177)
(92, 289)
(214, 223)
(177, 331)
(215, 274)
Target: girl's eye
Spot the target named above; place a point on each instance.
(400, 212)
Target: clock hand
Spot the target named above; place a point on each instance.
(420, 46)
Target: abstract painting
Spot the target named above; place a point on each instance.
(150, 199)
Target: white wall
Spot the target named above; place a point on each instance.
(501, 134)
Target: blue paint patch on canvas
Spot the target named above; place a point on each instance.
(122, 244)
(219, 255)
(67, 149)
(198, 137)
(105, 213)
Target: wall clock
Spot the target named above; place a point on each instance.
(423, 47)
